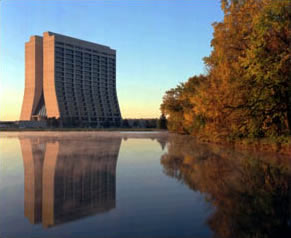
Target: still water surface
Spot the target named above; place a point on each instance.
(111, 184)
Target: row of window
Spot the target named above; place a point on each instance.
(85, 70)
(94, 90)
(86, 91)
(70, 62)
(96, 120)
(70, 46)
(82, 78)
(86, 80)
(89, 96)
(103, 82)
(83, 111)
(61, 60)
(93, 101)
(83, 108)
(61, 51)
(97, 72)
(86, 66)
(77, 57)
(81, 65)
(69, 74)
(88, 117)
(84, 58)
(85, 77)
(80, 70)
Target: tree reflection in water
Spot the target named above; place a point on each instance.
(251, 193)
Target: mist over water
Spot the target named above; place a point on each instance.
(141, 184)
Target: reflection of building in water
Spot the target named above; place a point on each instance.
(32, 153)
(67, 180)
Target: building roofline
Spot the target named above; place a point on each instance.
(31, 38)
(49, 33)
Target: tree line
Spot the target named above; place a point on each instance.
(246, 91)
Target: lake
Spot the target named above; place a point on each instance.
(140, 184)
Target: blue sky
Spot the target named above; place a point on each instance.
(159, 43)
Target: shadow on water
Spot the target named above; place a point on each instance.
(251, 194)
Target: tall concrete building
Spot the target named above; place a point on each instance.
(71, 80)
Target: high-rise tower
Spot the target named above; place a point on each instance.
(71, 80)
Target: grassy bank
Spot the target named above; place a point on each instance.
(266, 145)
(280, 145)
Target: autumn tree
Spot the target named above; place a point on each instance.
(267, 67)
(172, 108)
(246, 92)
(179, 106)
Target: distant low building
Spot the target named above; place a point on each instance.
(140, 123)
(8, 124)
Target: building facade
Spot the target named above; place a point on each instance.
(71, 80)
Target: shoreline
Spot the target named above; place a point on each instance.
(254, 145)
(76, 129)
(263, 146)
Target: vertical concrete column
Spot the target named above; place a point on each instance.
(49, 86)
(33, 77)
